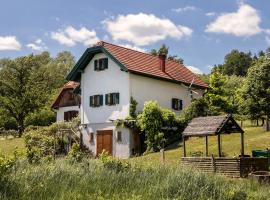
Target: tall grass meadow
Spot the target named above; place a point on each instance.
(96, 179)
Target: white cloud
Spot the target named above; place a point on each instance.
(210, 14)
(38, 45)
(9, 43)
(62, 38)
(133, 47)
(38, 41)
(184, 9)
(244, 22)
(144, 29)
(70, 36)
(195, 70)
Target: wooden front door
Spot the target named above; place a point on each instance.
(104, 141)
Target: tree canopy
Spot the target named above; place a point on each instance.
(27, 83)
(235, 63)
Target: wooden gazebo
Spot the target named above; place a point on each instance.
(216, 126)
(212, 126)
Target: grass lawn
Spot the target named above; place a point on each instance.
(7, 146)
(255, 138)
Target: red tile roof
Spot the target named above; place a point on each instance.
(144, 63)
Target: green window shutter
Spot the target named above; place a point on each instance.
(105, 63)
(110, 99)
(100, 100)
(91, 101)
(96, 65)
(181, 104)
(173, 103)
(117, 98)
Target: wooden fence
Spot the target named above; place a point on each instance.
(232, 167)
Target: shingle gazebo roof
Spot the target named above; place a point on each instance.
(212, 125)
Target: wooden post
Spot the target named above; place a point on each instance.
(162, 153)
(268, 156)
(219, 146)
(213, 163)
(242, 144)
(206, 146)
(162, 156)
(184, 147)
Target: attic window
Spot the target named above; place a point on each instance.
(101, 64)
(112, 99)
(177, 104)
(96, 100)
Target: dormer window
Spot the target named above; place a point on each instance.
(112, 99)
(96, 100)
(177, 104)
(101, 64)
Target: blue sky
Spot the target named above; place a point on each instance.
(201, 32)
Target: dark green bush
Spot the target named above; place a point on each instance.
(42, 117)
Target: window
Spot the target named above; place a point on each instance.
(177, 104)
(101, 64)
(69, 115)
(91, 137)
(112, 99)
(96, 100)
(119, 136)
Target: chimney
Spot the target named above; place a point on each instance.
(162, 60)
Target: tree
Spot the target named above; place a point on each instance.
(255, 93)
(20, 92)
(27, 84)
(164, 50)
(235, 63)
(216, 95)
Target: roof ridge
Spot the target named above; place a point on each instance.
(149, 54)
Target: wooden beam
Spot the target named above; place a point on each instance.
(219, 146)
(206, 146)
(184, 147)
(242, 145)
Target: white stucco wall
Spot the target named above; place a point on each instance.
(146, 89)
(119, 149)
(60, 112)
(99, 118)
(103, 82)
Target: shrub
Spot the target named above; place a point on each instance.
(112, 163)
(42, 142)
(159, 125)
(75, 154)
(42, 117)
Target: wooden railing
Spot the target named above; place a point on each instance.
(232, 167)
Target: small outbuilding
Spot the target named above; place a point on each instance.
(213, 126)
(231, 166)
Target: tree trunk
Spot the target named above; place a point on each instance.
(267, 125)
(20, 127)
(262, 121)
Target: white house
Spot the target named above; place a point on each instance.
(67, 102)
(109, 75)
